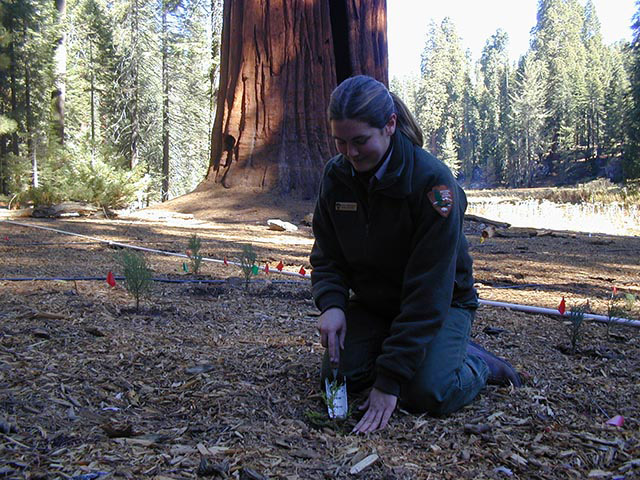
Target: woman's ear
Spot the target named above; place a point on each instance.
(390, 127)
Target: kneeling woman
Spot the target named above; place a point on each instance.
(392, 274)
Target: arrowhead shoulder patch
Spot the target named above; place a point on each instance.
(441, 198)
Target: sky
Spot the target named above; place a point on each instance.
(477, 20)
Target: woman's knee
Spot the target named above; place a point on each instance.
(435, 399)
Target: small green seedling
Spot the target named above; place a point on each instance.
(576, 319)
(248, 263)
(137, 275)
(335, 396)
(614, 310)
(630, 300)
(193, 252)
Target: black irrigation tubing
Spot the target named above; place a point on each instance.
(161, 280)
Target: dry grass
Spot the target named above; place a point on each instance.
(597, 207)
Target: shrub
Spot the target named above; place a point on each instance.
(247, 263)
(193, 252)
(576, 319)
(137, 275)
(67, 177)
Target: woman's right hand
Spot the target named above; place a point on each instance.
(332, 326)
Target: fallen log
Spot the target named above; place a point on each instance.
(64, 209)
(20, 213)
(476, 218)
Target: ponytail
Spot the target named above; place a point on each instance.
(406, 122)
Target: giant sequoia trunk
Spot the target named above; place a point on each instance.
(280, 60)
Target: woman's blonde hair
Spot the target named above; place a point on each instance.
(365, 99)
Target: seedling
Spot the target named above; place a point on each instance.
(630, 300)
(614, 310)
(137, 276)
(576, 317)
(335, 397)
(193, 252)
(248, 263)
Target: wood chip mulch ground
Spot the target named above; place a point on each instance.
(211, 380)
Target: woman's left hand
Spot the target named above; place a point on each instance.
(379, 407)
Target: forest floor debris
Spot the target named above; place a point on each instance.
(215, 380)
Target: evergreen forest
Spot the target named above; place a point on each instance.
(113, 102)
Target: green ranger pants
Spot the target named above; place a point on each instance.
(446, 380)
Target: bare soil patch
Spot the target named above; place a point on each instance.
(210, 379)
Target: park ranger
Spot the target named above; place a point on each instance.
(392, 275)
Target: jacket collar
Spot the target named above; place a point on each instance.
(396, 180)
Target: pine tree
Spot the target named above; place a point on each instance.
(617, 101)
(190, 49)
(137, 133)
(493, 109)
(632, 154)
(558, 43)
(528, 118)
(26, 74)
(406, 88)
(469, 136)
(440, 97)
(91, 78)
(59, 87)
(597, 78)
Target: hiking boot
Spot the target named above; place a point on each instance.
(500, 371)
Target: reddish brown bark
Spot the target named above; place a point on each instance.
(277, 72)
(368, 38)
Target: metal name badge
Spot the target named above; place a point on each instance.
(346, 206)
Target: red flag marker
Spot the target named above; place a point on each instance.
(615, 290)
(188, 252)
(266, 268)
(6, 238)
(111, 280)
(280, 266)
(225, 261)
(562, 307)
(302, 271)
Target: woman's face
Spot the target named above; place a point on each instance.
(362, 144)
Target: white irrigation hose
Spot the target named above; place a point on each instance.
(512, 306)
(553, 311)
(153, 250)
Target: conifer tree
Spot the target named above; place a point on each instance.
(189, 50)
(440, 96)
(493, 105)
(558, 43)
(528, 116)
(91, 77)
(632, 154)
(468, 138)
(136, 132)
(617, 102)
(597, 79)
(26, 74)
